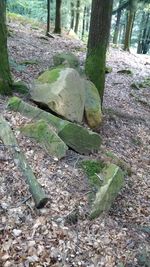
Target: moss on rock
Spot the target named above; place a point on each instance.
(71, 60)
(49, 76)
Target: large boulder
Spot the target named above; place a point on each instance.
(93, 112)
(66, 58)
(63, 91)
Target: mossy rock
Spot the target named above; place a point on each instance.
(70, 59)
(125, 71)
(113, 180)
(108, 69)
(20, 87)
(105, 181)
(45, 136)
(50, 76)
(113, 158)
(93, 112)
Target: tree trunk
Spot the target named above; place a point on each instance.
(8, 138)
(146, 35)
(48, 17)
(142, 25)
(75, 136)
(5, 76)
(72, 15)
(97, 43)
(116, 33)
(77, 16)
(87, 18)
(58, 17)
(129, 25)
(83, 24)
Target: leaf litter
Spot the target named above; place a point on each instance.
(31, 237)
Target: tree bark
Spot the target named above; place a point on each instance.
(130, 22)
(77, 16)
(7, 136)
(116, 33)
(87, 18)
(5, 76)
(48, 17)
(83, 23)
(72, 15)
(97, 43)
(58, 17)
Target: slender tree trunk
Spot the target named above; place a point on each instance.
(97, 42)
(5, 76)
(87, 18)
(77, 16)
(58, 17)
(129, 25)
(72, 15)
(145, 37)
(116, 33)
(139, 48)
(83, 24)
(48, 17)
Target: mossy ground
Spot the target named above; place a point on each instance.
(69, 58)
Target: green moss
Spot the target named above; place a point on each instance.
(95, 68)
(20, 87)
(13, 103)
(69, 58)
(91, 169)
(49, 76)
(108, 69)
(29, 62)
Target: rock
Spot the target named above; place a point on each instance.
(93, 111)
(62, 90)
(75, 136)
(45, 135)
(108, 69)
(70, 59)
(112, 183)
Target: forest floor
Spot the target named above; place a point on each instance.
(31, 237)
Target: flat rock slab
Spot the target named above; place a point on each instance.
(113, 180)
(93, 112)
(44, 135)
(62, 90)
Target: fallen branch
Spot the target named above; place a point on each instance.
(8, 138)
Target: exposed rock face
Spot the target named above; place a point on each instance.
(63, 91)
(70, 59)
(93, 111)
(112, 183)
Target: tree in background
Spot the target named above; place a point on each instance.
(130, 21)
(48, 17)
(57, 28)
(97, 42)
(5, 76)
(116, 32)
(72, 14)
(77, 16)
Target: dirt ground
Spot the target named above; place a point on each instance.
(31, 237)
